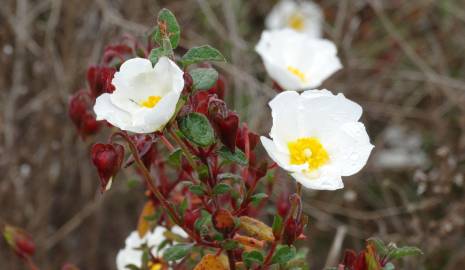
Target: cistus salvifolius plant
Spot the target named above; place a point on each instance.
(206, 186)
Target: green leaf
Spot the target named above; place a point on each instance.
(238, 156)
(174, 159)
(227, 175)
(131, 267)
(283, 254)
(173, 31)
(202, 220)
(197, 190)
(201, 54)
(230, 244)
(221, 188)
(277, 225)
(256, 198)
(203, 78)
(197, 129)
(404, 252)
(254, 256)
(176, 252)
(381, 248)
(155, 54)
(182, 207)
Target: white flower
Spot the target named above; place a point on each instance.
(131, 253)
(304, 16)
(316, 137)
(296, 61)
(145, 97)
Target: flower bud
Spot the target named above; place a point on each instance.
(241, 136)
(190, 217)
(282, 204)
(119, 51)
(79, 110)
(19, 241)
(145, 148)
(223, 221)
(218, 88)
(99, 79)
(107, 158)
(292, 230)
(227, 130)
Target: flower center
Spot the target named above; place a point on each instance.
(308, 150)
(155, 266)
(296, 21)
(150, 102)
(297, 72)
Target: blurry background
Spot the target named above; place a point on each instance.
(403, 62)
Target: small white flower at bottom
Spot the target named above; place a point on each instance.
(131, 254)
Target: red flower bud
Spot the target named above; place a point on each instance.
(79, 110)
(218, 88)
(200, 101)
(19, 241)
(292, 230)
(190, 217)
(241, 135)
(119, 51)
(227, 129)
(107, 158)
(144, 144)
(283, 205)
(99, 79)
(223, 221)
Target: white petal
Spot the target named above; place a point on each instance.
(105, 110)
(131, 68)
(285, 113)
(128, 256)
(169, 69)
(148, 120)
(179, 231)
(308, 94)
(350, 148)
(326, 178)
(322, 115)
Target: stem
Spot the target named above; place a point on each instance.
(270, 255)
(30, 263)
(148, 179)
(232, 264)
(167, 143)
(184, 148)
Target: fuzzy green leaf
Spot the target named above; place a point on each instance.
(197, 129)
(173, 31)
(203, 78)
(201, 54)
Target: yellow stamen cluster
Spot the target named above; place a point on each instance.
(296, 21)
(308, 150)
(297, 72)
(155, 266)
(151, 101)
